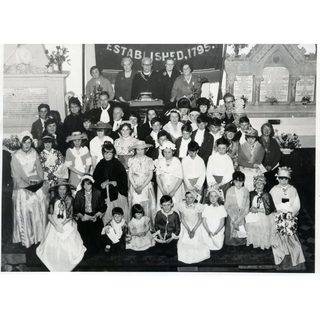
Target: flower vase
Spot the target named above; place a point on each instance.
(286, 151)
(59, 67)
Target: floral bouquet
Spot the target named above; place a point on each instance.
(288, 141)
(12, 143)
(286, 224)
(57, 57)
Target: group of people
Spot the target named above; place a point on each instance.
(169, 84)
(185, 183)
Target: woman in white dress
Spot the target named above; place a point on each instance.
(173, 126)
(169, 175)
(140, 175)
(214, 215)
(29, 200)
(192, 247)
(62, 247)
(97, 142)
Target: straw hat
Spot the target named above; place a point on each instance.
(168, 145)
(77, 135)
(24, 134)
(259, 178)
(140, 145)
(88, 177)
(284, 172)
(101, 125)
(251, 132)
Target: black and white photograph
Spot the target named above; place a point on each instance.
(159, 157)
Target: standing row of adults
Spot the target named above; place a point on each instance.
(168, 84)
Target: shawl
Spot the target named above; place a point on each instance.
(234, 211)
(97, 202)
(248, 158)
(111, 170)
(266, 200)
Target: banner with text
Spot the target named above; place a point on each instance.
(201, 56)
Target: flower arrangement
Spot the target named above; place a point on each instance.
(57, 57)
(306, 99)
(288, 140)
(12, 143)
(272, 100)
(286, 224)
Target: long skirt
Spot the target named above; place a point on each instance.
(61, 251)
(146, 199)
(192, 250)
(91, 235)
(29, 216)
(259, 232)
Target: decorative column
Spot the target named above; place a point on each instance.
(292, 89)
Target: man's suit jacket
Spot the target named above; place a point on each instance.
(206, 146)
(37, 130)
(145, 130)
(95, 114)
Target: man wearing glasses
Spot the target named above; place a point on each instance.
(145, 80)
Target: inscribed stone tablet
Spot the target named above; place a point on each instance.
(305, 87)
(275, 84)
(20, 108)
(243, 85)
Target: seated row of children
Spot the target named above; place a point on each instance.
(187, 229)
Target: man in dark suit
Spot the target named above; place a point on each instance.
(183, 141)
(152, 138)
(38, 126)
(146, 128)
(145, 80)
(104, 112)
(167, 78)
(203, 138)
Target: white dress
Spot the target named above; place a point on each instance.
(175, 132)
(192, 250)
(61, 251)
(212, 216)
(169, 173)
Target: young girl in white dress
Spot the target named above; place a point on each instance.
(139, 230)
(192, 247)
(62, 247)
(213, 217)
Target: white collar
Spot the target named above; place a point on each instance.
(106, 109)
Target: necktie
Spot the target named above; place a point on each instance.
(105, 116)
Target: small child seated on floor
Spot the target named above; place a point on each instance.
(115, 232)
(140, 237)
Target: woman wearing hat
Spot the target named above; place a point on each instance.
(111, 179)
(287, 250)
(52, 162)
(251, 154)
(258, 221)
(62, 247)
(97, 142)
(29, 201)
(169, 174)
(140, 175)
(78, 159)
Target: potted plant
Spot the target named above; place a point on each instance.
(57, 58)
(288, 142)
(272, 100)
(306, 99)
